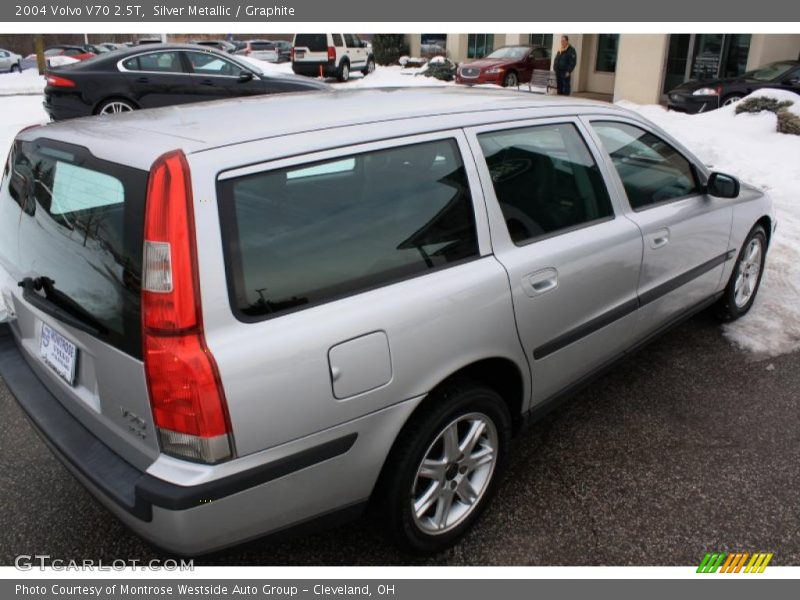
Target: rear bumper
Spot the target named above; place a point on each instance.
(311, 68)
(280, 492)
(62, 106)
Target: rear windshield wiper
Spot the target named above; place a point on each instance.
(57, 304)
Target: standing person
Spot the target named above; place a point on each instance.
(564, 64)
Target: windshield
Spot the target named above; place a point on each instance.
(770, 71)
(515, 52)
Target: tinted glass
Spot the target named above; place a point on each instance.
(318, 231)
(162, 62)
(351, 40)
(315, 42)
(209, 64)
(651, 170)
(545, 180)
(337, 39)
(81, 227)
(262, 46)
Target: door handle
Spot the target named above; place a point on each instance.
(143, 80)
(540, 282)
(206, 82)
(659, 239)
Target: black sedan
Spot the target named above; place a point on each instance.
(158, 75)
(701, 96)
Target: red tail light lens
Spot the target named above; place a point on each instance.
(291, 54)
(186, 394)
(57, 81)
(331, 54)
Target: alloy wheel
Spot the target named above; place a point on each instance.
(454, 474)
(747, 274)
(114, 107)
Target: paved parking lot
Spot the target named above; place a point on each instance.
(689, 446)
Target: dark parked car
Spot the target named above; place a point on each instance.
(703, 95)
(95, 48)
(506, 66)
(158, 75)
(221, 45)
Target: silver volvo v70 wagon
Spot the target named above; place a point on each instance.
(232, 318)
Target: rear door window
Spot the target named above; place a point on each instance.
(81, 228)
(314, 232)
(157, 62)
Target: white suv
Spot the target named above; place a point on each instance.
(331, 55)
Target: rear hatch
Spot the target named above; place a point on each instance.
(311, 47)
(71, 238)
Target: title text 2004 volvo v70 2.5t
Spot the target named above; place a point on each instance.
(229, 325)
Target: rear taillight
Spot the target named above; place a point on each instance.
(186, 394)
(58, 81)
(331, 54)
(291, 54)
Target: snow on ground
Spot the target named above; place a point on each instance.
(27, 82)
(743, 145)
(748, 147)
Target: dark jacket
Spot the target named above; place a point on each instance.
(566, 60)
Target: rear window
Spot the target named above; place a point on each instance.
(315, 42)
(262, 46)
(81, 227)
(315, 232)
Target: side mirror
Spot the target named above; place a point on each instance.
(364, 44)
(722, 185)
(245, 76)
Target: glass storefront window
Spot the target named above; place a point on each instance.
(479, 44)
(541, 39)
(607, 45)
(705, 56)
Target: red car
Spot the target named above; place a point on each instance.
(506, 66)
(75, 52)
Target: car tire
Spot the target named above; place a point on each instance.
(370, 68)
(115, 106)
(344, 71)
(426, 512)
(742, 288)
(16, 68)
(511, 79)
(731, 99)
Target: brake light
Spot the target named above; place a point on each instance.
(186, 394)
(58, 81)
(291, 53)
(331, 54)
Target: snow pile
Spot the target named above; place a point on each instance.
(748, 147)
(60, 61)
(27, 82)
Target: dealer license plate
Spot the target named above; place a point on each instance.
(299, 53)
(59, 353)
